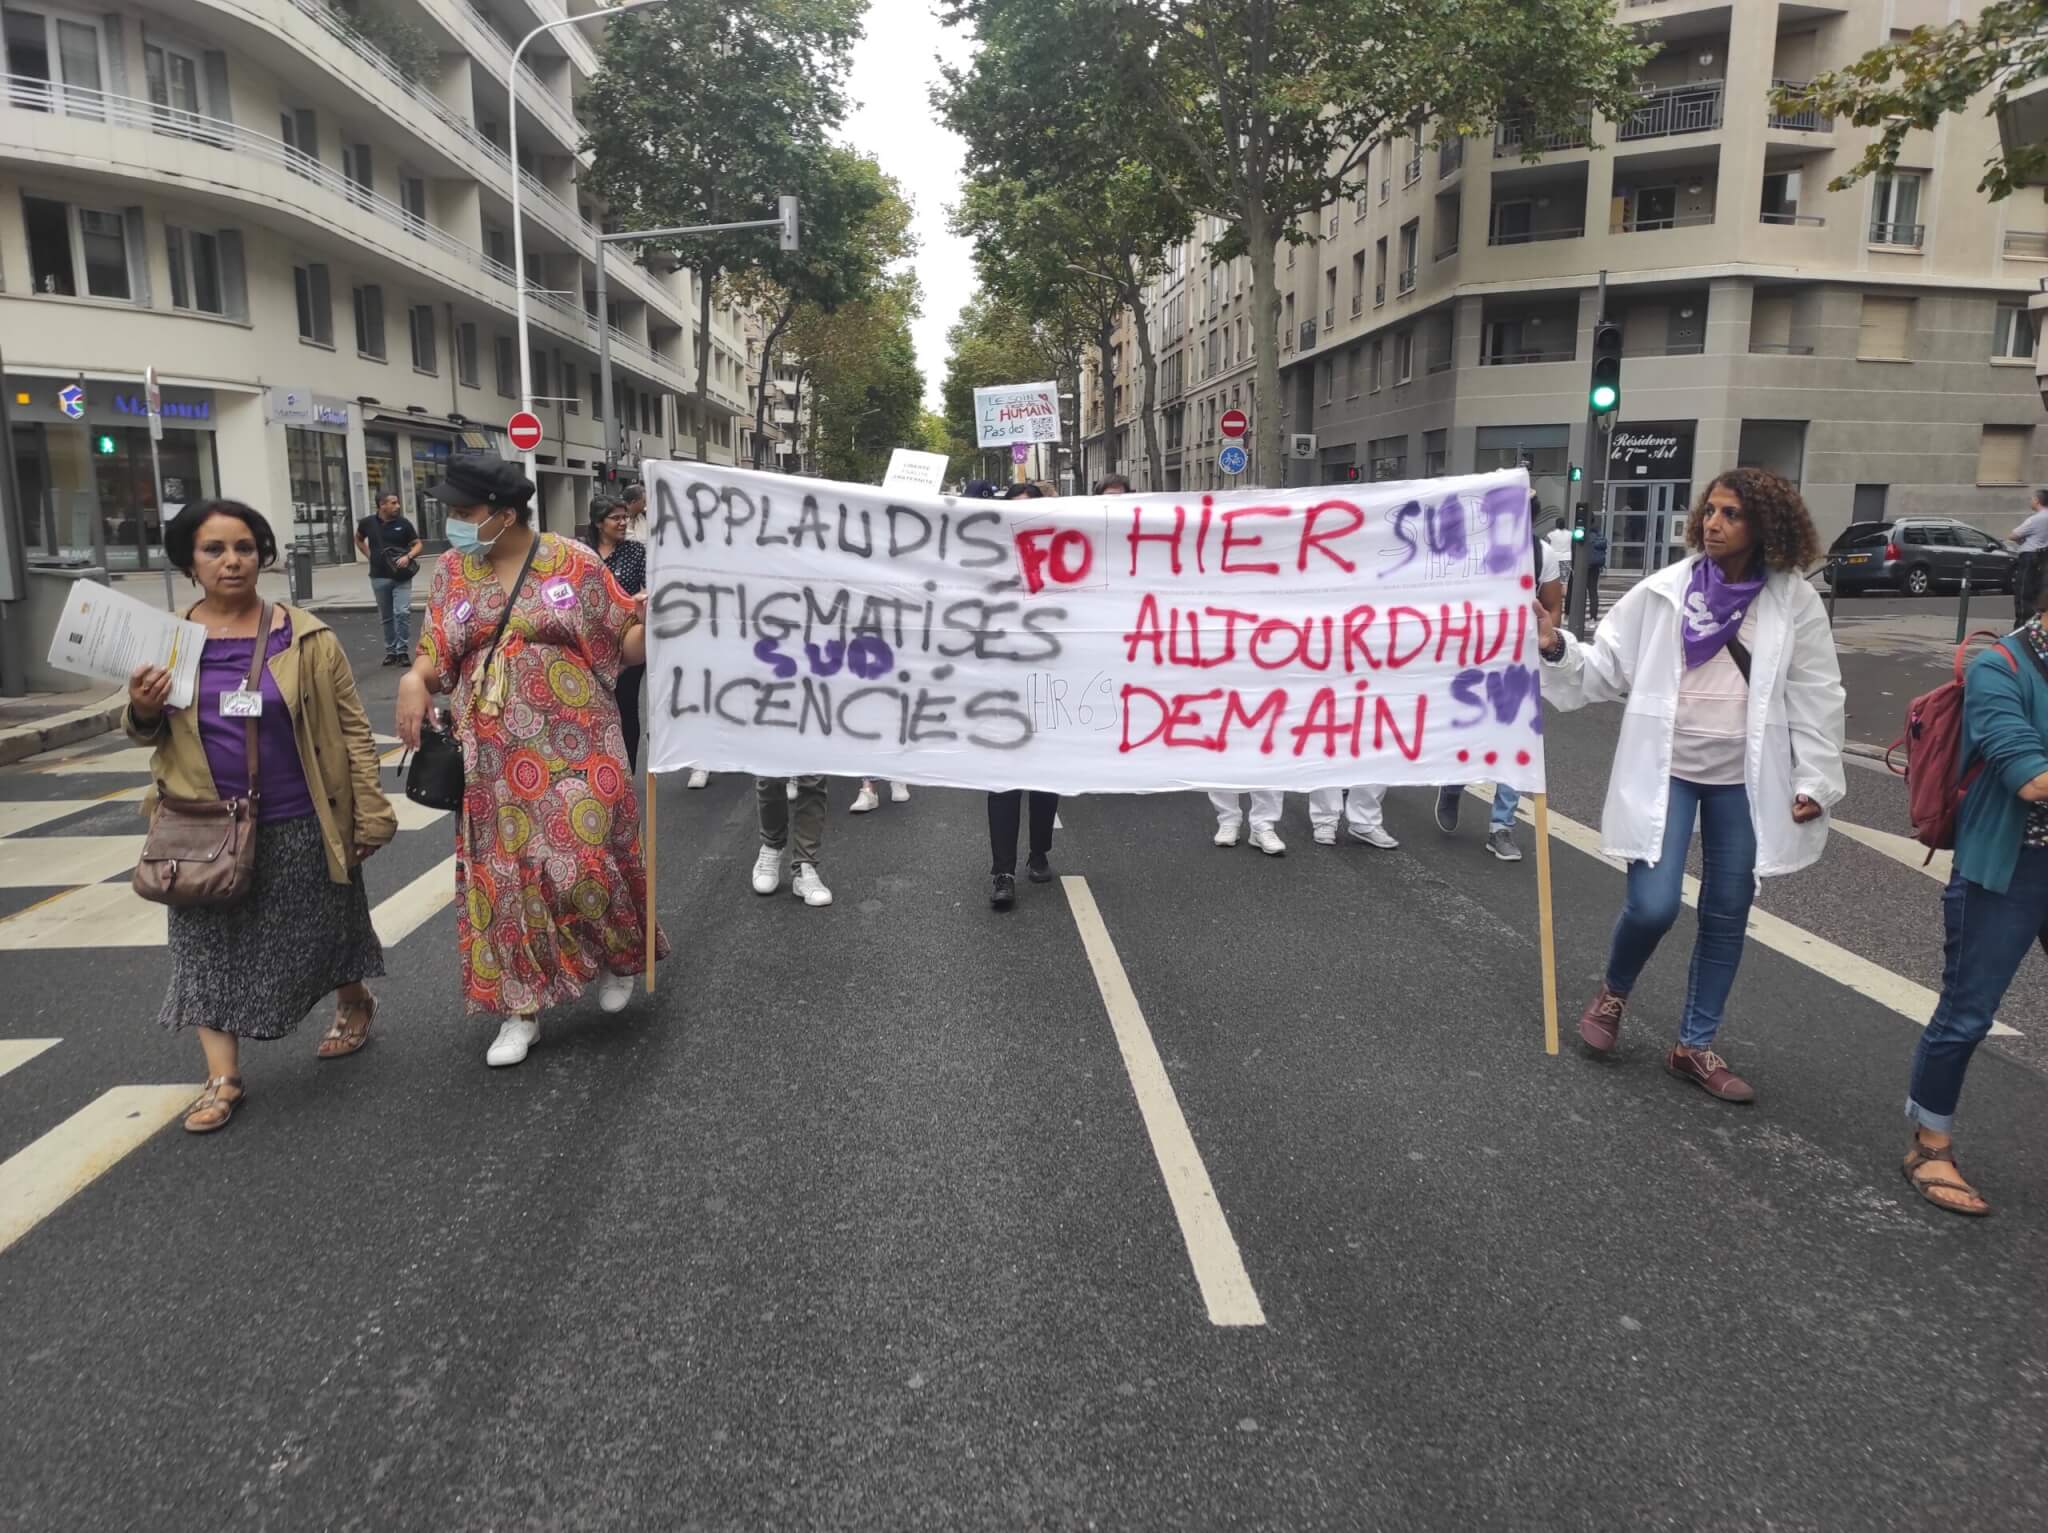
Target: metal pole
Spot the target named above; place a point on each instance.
(1596, 490)
(604, 364)
(1834, 588)
(156, 469)
(1963, 602)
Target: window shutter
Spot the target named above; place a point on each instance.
(2002, 454)
(138, 257)
(1883, 332)
(218, 102)
(234, 277)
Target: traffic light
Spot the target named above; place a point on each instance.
(1582, 522)
(103, 444)
(1576, 473)
(785, 209)
(1605, 395)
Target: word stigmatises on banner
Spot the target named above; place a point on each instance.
(1288, 639)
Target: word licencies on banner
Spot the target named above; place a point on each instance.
(1288, 639)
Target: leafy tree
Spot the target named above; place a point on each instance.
(1931, 72)
(855, 226)
(993, 342)
(867, 393)
(1262, 111)
(704, 114)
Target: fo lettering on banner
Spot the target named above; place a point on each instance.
(1278, 639)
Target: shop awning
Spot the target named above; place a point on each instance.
(475, 436)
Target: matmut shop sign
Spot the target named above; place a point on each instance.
(1286, 639)
(1018, 412)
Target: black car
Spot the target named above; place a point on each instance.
(1917, 555)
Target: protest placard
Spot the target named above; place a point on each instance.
(1288, 639)
(917, 471)
(1017, 412)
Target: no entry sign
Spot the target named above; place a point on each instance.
(524, 430)
(1234, 423)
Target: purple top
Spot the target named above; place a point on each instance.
(223, 667)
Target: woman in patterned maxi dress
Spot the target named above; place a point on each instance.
(550, 884)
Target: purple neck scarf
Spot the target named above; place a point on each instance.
(1713, 611)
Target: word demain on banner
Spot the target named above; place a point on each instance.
(1291, 639)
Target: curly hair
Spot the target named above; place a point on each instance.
(1783, 526)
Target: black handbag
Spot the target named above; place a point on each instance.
(435, 777)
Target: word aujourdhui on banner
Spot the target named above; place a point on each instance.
(1286, 639)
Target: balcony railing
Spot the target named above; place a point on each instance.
(1674, 109)
(1806, 119)
(1778, 349)
(1450, 156)
(1412, 171)
(1329, 316)
(1534, 236)
(2026, 245)
(1407, 281)
(1438, 362)
(1358, 303)
(1910, 235)
(1511, 139)
(1379, 292)
(1518, 358)
(1308, 335)
(1811, 220)
(1444, 253)
(1646, 225)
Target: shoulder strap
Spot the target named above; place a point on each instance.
(511, 601)
(1739, 653)
(254, 683)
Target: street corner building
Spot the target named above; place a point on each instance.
(1872, 345)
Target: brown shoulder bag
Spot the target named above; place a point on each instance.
(202, 852)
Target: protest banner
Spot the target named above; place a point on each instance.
(1017, 412)
(1286, 639)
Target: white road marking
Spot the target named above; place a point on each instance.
(96, 915)
(1913, 1002)
(1219, 1270)
(132, 760)
(413, 816)
(405, 912)
(16, 1052)
(1057, 823)
(50, 861)
(40, 1179)
(1902, 849)
(15, 818)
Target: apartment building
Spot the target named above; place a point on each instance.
(1873, 345)
(299, 212)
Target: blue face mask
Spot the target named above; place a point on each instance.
(467, 537)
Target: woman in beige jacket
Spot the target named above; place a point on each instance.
(255, 968)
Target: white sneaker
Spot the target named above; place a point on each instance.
(1267, 840)
(789, 790)
(699, 777)
(768, 870)
(1376, 836)
(1326, 835)
(515, 1037)
(864, 801)
(614, 991)
(899, 792)
(1226, 835)
(808, 887)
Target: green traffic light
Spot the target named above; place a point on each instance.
(1605, 396)
(1578, 534)
(104, 445)
(1577, 473)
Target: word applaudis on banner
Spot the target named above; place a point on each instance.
(1287, 639)
(1018, 412)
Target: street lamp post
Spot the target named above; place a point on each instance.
(518, 224)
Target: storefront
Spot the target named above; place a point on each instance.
(88, 484)
(1649, 494)
(316, 461)
(408, 451)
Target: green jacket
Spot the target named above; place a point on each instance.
(336, 748)
(2005, 726)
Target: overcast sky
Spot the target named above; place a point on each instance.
(894, 70)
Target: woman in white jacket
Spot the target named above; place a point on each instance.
(1733, 717)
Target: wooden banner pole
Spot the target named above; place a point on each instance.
(647, 904)
(1547, 923)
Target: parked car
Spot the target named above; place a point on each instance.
(1917, 555)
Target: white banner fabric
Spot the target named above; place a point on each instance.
(1293, 639)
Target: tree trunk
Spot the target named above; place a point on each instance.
(703, 361)
(1105, 383)
(768, 345)
(796, 409)
(1141, 325)
(1268, 419)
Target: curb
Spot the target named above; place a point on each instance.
(26, 740)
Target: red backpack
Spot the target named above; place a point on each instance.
(1935, 778)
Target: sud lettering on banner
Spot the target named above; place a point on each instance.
(1287, 639)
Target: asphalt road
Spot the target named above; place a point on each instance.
(856, 1222)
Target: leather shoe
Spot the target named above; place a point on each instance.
(1600, 1022)
(1709, 1071)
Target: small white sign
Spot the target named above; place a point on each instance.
(921, 471)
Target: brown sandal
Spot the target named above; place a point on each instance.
(351, 1029)
(212, 1111)
(1930, 1187)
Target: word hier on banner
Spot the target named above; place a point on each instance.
(1290, 639)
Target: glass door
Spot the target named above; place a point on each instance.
(1628, 529)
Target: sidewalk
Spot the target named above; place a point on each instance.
(334, 586)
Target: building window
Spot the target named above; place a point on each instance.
(596, 395)
(2002, 454)
(507, 359)
(370, 321)
(1781, 198)
(1389, 458)
(570, 400)
(63, 241)
(423, 357)
(1434, 454)
(1351, 360)
(1895, 209)
(1357, 281)
(1379, 272)
(2013, 334)
(301, 136)
(103, 241)
(355, 167)
(465, 354)
(316, 307)
(1404, 356)
(1885, 329)
(1411, 244)
(412, 196)
(48, 225)
(195, 270)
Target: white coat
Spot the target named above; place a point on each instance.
(1637, 657)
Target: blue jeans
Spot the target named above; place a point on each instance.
(1504, 801)
(1728, 858)
(394, 609)
(1986, 937)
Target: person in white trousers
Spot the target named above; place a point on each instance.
(1359, 807)
(1265, 815)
